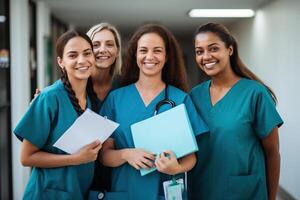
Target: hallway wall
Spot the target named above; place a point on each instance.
(269, 45)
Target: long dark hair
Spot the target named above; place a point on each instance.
(173, 73)
(238, 67)
(60, 45)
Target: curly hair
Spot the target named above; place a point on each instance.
(173, 73)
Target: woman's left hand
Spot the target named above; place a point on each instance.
(167, 163)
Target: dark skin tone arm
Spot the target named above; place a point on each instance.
(271, 148)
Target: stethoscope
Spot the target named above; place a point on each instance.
(170, 102)
(166, 100)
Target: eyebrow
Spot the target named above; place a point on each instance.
(104, 41)
(142, 47)
(89, 49)
(70, 52)
(214, 44)
(209, 45)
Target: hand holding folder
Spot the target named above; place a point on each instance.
(170, 130)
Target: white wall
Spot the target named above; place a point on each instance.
(269, 45)
(20, 84)
(43, 32)
(20, 75)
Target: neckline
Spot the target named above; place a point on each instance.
(224, 97)
(152, 101)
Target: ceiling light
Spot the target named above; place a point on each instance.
(221, 13)
(2, 18)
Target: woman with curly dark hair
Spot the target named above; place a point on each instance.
(153, 69)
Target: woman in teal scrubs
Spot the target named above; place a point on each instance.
(55, 174)
(239, 158)
(104, 78)
(152, 65)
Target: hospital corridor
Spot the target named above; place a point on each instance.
(32, 56)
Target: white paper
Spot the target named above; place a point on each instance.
(87, 128)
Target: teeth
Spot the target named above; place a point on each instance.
(210, 65)
(103, 57)
(149, 65)
(82, 68)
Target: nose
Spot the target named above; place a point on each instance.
(149, 55)
(206, 55)
(81, 59)
(102, 48)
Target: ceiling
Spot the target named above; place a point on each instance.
(128, 14)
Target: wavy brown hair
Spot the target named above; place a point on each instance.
(238, 67)
(60, 46)
(173, 73)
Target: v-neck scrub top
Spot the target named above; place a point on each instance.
(126, 107)
(47, 118)
(231, 163)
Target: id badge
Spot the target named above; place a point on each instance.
(174, 189)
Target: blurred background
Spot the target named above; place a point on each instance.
(268, 44)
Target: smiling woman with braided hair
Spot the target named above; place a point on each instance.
(55, 174)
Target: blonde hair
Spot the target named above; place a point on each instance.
(116, 68)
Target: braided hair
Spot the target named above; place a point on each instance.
(61, 43)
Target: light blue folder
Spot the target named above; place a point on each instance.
(170, 130)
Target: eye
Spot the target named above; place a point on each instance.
(157, 51)
(110, 44)
(96, 45)
(142, 51)
(72, 56)
(199, 52)
(214, 49)
(88, 53)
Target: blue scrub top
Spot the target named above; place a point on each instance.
(47, 118)
(231, 163)
(126, 107)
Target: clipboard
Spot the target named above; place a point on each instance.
(170, 130)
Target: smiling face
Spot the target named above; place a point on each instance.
(77, 59)
(151, 54)
(212, 56)
(105, 48)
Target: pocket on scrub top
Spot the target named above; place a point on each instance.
(50, 194)
(116, 196)
(242, 187)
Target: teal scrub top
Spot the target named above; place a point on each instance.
(47, 118)
(126, 107)
(231, 163)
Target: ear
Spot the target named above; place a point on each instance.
(60, 62)
(230, 50)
